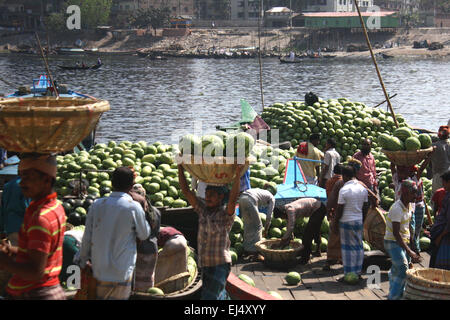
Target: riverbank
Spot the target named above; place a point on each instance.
(202, 42)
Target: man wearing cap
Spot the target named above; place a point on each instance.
(440, 159)
(309, 150)
(36, 262)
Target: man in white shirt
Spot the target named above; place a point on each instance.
(109, 242)
(331, 158)
(249, 202)
(351, 210)
(397, 238)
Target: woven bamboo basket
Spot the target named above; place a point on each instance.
(213, 170)
(407, 158)
(47, 124)
(375, 228)
(174, 283)
(278, 256)
(427, 284)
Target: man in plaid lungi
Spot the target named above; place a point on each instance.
(215, 218)
(353, 203)
(397, 238)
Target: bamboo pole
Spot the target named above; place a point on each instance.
(46, 66)
(375, 63)
(259, 55)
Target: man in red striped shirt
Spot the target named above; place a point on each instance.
(37, 261)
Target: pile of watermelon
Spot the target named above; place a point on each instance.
(156, 169)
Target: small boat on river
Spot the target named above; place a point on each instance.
(43, 87)
(288, 60)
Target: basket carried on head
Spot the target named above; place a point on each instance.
(277, 257)
(174, 283)
(47, 124)
(407, 158)
(213, 170)
(427, 284)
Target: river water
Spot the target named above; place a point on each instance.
(160, 100)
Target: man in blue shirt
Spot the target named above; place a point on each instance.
(112, 225)
(12, 210)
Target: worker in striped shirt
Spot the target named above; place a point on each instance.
(36, 262)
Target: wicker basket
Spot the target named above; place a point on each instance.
(427, 284)
(407, 158)
(47, 124)
(375, 228)
(213, 170)
(174, 283)
(278, 257)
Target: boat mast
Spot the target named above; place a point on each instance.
(261, 13)
(375, 63)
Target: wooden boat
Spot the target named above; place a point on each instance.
(94, 67)
(41, 87)
(70, 51)
(288, 60)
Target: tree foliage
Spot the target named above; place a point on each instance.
(152, 17)
(56, 22)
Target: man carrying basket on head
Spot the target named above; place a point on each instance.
(36, 262)
(216, 218)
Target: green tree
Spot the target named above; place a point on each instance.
(222, 8)
(152, 17)
(56, 22)
(93, 12)
(140, 19)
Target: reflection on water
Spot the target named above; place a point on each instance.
(150, 100)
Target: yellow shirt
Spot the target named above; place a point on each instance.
(309, 167)
(398, 213)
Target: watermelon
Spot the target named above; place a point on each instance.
(212, 145)
(425, 140)
(424, 243)
(412, 143)
(402, 133)
(394, 144)
(292, 278)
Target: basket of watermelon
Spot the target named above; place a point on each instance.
(405, 147)
(214, 158)
(47, 124)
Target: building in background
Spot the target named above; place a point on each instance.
(337, 5)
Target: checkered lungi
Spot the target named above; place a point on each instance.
(107, 290)
(352, 249)
(397, 273)
(43, 293)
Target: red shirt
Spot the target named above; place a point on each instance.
(43, 230)
(437, 198)
(368, 173)
(165, 234)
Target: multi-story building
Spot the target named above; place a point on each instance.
(337, 5)
(244, 9)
